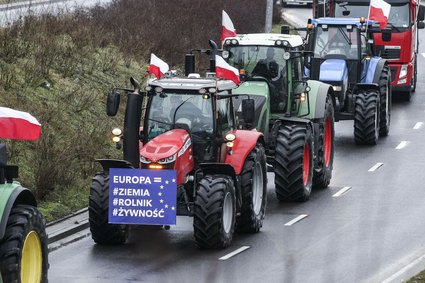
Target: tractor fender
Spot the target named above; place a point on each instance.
(317, 98)
(372, 70)
(366, 86)
(114, 163)
(244, 143)
(13, 194)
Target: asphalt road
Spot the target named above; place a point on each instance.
(366, 227)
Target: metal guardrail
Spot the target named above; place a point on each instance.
(68, 229)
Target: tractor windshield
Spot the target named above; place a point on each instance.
(179, 110)
(336, 40)
(264, 61)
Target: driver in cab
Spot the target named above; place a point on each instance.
(267, 68)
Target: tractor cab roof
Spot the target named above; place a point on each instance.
(266, 39)
(193, 84)
(340, 22)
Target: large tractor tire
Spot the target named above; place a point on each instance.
(214, 212)
(385, 101)
(323, 173)
(254, 191)
(366, 117)
(103, 232)
(294, 163)
(23, 249)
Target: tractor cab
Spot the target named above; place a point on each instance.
(270, 62)
(178, 107)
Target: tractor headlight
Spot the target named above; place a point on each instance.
(144, 160)
(116, 132)
(403, 71)
(167, 160)
(337, 88)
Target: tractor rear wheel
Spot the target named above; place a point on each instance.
(215, 212)
(323, 173)
(294, 163)
(23, 249)
(103, 232)
(385, 101)
(254, 191)
(366, 117)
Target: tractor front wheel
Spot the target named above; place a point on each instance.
(294, 163)
(366, 117)
(254, 191)
(323, 173)
(215, 212)
(103, 232)
(23, 249)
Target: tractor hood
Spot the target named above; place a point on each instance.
(333, 70)
(166, 145)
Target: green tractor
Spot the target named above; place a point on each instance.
(295, 115)
(23, 238)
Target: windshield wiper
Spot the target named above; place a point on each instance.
(345, 36)
(393, 27)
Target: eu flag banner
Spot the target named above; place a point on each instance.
(141, 196)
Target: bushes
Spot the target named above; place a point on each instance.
(59, 68)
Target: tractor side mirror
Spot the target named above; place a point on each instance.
(345, 13)
(421, 25)
(248, 110)
(386, 34)
(421, 13)
(112, 103)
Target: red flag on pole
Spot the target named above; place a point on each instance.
(379, 11)
(157, 67)
(227, 28)
(18, 125)
(225, 71)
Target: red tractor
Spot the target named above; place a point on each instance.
(186, 125)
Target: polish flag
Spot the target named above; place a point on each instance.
(379, 11)
(157, 67)
(227, 28)
(225, 71)
(18, 125)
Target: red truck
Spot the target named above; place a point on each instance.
(406, 17)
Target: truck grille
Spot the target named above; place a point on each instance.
(391, 53)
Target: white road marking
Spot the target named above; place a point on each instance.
(403, 270)
(341, 192)
(296, 219)
(376, 166)
(418, 125)
(238, 251)
(402, 144)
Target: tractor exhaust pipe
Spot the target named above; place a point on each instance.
(189, 64)
(214, 51)
(133, 114)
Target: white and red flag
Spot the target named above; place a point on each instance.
(227, 28)
(379, 11)
(18, 125)
(225, 71)
(157, 67)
